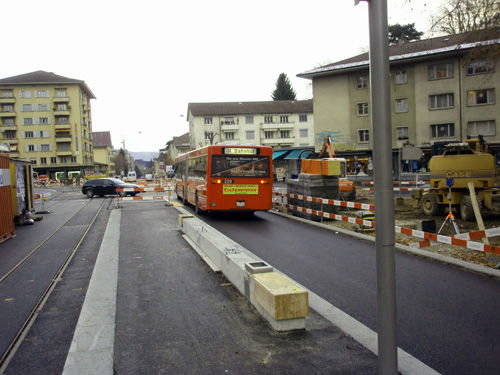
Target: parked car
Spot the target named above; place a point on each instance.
(149, 177)
(106, 186)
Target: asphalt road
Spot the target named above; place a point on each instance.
(447, 317)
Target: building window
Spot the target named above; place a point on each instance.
(440, 71)
(73, 159)
(43, 160)
(44, 134)
(43, 120)
(62, 120)
(7, 108)
(7, 121)
(478, 97)
(229, 136)
(284, 119)
(209, 136)
(362, 82)
(42, 94)
(401, 105)
(7, 94)
(269, 134)
(441, 101)
(27, 121)
(60, 107)
(33, 161)
(362, 109)
(227, 121)
(27, 108)
(303, 133)
(25, 94)
(363, 136)
(284, 133)
(402, 132)
(303, 117)
(400, 77)
(486, 128)
(53, 160)
(43, 107)
(443, 130)
(207, 120)
(268, 119)
(31, 148)
(9, 134)
(28, 134)
(250, 134)
(45, 147)
(61, 93)
(248, 119)
(480, 67)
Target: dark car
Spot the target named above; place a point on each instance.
(106, 186)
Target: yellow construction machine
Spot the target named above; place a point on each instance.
(450, 174)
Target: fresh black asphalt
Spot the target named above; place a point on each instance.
(175, 316)
(447, 317)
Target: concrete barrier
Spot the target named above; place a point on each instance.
(281, 301)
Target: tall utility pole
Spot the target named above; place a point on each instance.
(384, 196)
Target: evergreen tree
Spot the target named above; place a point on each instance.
(284, 89)
(403, 33)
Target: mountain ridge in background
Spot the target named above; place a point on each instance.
(144, 155)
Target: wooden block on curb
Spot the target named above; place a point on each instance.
(182, 217)
(280, 297)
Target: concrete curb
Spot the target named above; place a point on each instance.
(407, 249)
(407, 364)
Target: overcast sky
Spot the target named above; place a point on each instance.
(146, 60)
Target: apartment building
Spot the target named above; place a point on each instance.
(277, 124)
(103, 153)
(442, 90)
(176, 146)
(46, 118)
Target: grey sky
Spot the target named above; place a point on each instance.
(145, 60)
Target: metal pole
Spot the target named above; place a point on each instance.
(384, 196)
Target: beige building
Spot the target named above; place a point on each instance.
(103, 153)
(177, 146)
(442, 90)
(46, 118)
(272, 123)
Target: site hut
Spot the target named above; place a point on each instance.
(46, 118)
(443, 90)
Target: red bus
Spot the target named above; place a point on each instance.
(226, 178)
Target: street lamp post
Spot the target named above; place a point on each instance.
(384, 196)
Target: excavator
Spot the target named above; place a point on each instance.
(450, 174)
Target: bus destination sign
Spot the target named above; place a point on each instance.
(240, 151)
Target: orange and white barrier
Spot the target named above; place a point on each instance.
(333, 202)
(423, 182)
(477, 235)
(394, 189)
(145, 189)
(468, 244)
(152, 198)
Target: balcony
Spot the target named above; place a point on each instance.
(7, 113)
(62, 112)
(65, 126)
(64, 138)
(287, 125)
(64, 152)
(229, 127)
(280, 141)
(60, 99)
(7, 100)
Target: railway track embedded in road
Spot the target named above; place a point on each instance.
(6, 357)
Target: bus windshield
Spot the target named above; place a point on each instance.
(240, 166)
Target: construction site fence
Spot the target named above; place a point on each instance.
(464, 240)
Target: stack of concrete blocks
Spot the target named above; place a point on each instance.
(314, 185)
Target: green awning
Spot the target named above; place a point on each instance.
(294, 154)
(305, 154)
(279, 154)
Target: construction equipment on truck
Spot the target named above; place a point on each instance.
(460, 164)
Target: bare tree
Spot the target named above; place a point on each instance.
(459, 16)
